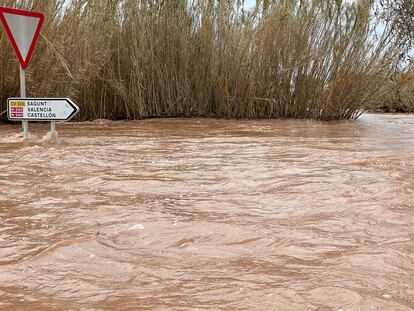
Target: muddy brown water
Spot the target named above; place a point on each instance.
(205, 214)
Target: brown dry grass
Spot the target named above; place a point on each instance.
(136, 59)
(399, 93)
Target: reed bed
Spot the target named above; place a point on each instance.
(399, 93)
(136, 59)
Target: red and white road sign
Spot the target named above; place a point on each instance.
(23, 29)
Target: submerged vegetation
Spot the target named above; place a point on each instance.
(148, 58)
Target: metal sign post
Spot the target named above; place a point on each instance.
(25, 123)
(53, 128)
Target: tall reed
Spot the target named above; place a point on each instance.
(135, 59)
(399, 93)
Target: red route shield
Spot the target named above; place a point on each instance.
(24, 62)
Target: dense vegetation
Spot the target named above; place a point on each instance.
(147, 58)
(399, 94)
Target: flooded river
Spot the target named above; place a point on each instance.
(205, 214)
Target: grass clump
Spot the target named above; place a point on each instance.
(134, 59)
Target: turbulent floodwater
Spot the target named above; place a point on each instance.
(204, 214)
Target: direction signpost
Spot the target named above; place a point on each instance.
(23, 29)
(41, 109)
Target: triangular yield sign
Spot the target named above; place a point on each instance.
(23, 29)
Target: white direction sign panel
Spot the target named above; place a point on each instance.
(41, 109)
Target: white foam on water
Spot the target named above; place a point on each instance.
(50, 136)
(137, 227)
(14, 138)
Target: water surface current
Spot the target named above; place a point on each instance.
(206, 214)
